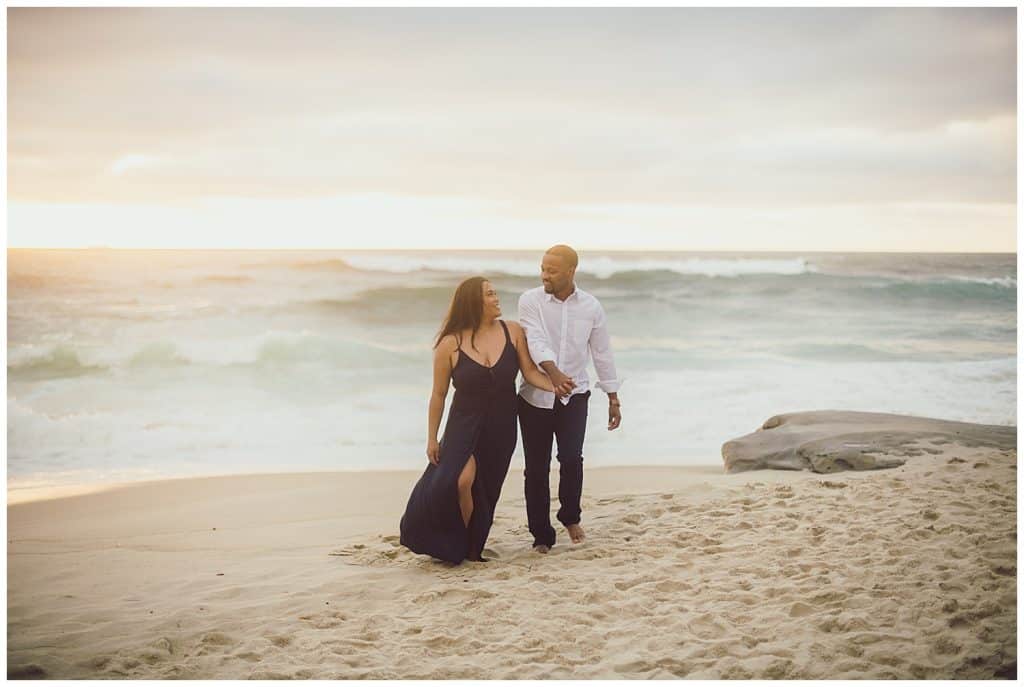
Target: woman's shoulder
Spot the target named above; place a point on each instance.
(447, 344)
(515, 332)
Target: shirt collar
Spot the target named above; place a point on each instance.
(575, 293)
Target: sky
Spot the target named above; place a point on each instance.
(877, 129)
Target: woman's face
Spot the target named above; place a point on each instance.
(492, 308)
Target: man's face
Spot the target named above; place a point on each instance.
(555, 274)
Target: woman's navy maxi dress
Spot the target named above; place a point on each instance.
(481, 423)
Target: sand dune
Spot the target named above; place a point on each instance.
(901, 573)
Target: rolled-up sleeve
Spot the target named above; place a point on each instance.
(601, 351)
(536, 337)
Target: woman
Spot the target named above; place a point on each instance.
(451, 508)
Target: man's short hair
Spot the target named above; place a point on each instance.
(566, 253)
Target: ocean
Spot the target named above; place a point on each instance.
(135, 365)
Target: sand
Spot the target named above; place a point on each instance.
(908, 572)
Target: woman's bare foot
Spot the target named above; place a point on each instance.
(575, 533)
(541, 548)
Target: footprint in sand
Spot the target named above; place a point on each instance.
(439, 641)
(589, 554)
(96, 662)
(623, 585)
(164, 644)
(268, 675)
(707, 627)
(214, 642)
(617, 499)
(634, 667)
(32, 671)
(152, 657)
(946, 646)
(325, 621)
(467, 595)
(669, 586)
(216, 639)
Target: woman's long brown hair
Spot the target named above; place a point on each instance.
(466, 310)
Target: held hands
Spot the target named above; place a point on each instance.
(433, 451)
(565, 388)
(561, 384)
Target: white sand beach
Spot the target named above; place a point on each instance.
(906, 572)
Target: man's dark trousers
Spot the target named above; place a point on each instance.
(566, 423)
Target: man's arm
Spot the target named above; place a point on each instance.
(604, 364)
(536, 337)
(540, 347)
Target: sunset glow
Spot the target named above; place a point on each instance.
(677, 128)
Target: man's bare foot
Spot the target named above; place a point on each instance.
(576, 533)
(541, 548)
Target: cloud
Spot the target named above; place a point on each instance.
(547, 155)
(129, 162)
(528, 109)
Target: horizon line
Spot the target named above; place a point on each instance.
(499, 250)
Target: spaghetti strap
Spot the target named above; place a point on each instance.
(508, 339)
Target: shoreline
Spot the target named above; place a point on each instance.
(22, 495)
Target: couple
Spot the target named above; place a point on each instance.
(451, 508)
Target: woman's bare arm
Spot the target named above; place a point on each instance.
(439, 392)
(531, 373)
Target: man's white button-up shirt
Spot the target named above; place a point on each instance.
(563, 332)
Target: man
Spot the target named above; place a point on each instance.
(562, 323)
